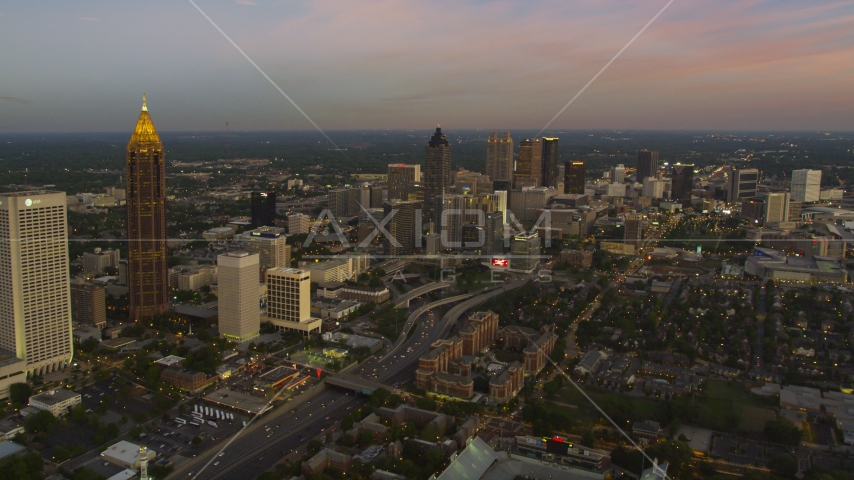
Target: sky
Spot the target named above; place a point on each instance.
(388, 64)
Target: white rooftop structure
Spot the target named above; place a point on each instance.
(125, 454)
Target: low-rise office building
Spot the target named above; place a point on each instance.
(12, 370)
(57, 401)
(187, 379)
(127, 455)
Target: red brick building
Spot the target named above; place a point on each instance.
(454, 385)
(518, 337)
(444, 371)
(480, 332)
(507, 384)
(536, 355)
(578, 258)
(324, 459)
(186, 379)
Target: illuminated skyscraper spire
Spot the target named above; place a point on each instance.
(146, 220)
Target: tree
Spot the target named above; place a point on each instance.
(426, 403)
(431, 433)
(27, 467)
(587, 439)
(677, 454)
(784, 431)
(20, 393)
(347, 423)
(785, 466)
(42, 422)
(196, 441)
(365, 438)
(314, 446)
(78, 414)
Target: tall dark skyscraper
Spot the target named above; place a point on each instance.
(437, 172)
(647, 164)
(683, 181)
(263, 206)
(574, 177)
(146, 220)
(550, 166)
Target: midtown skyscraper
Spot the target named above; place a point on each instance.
(530, 164)
(683, 182)
(437, 172)
(499, 157)
(263, 209)
(146, 221)
(647, 165)
(35, 299)
(550, 166)
(574, 177)
(401, 178)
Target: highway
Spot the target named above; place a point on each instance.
(257, 449)
(403, 300)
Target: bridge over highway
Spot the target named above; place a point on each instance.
(361, 385)
(403, 300)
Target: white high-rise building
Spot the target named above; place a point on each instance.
(806, 186)
(239, 297)
(776, 208)
(35, 297)
(500, 196)
(653, 188)
(618, 173)
(97, 261)
(289, 300)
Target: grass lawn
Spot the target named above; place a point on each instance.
(622, 409)
(723, 397)
(720, 407)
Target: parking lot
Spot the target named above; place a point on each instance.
(170, 438)
(128, 400)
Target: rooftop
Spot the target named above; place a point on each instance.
(7, 358)
(170, 360)
(9, 448)
(52, 397)
(472, 463)
(123, 451)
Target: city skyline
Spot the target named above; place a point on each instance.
(732, 66)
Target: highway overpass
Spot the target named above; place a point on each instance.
(403, 300)
(361, 385)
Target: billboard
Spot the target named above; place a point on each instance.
(500, 262)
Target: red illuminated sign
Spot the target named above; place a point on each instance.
(500, 262)
(557, 439)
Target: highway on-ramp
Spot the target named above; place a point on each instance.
(283, 434)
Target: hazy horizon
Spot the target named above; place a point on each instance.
(774, 65)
